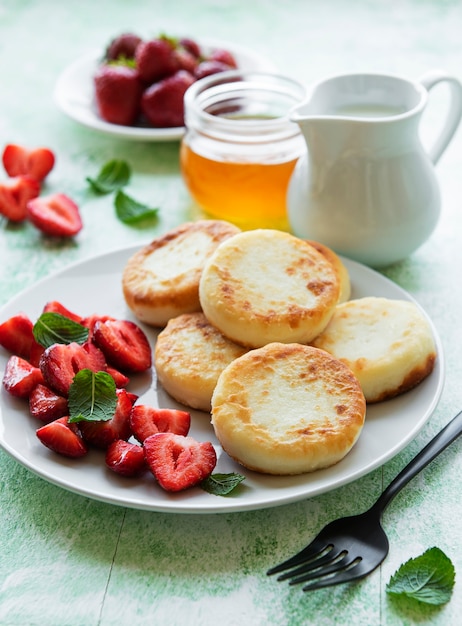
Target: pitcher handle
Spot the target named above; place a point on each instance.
(454, 115)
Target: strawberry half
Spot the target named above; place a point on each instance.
(63, 438)
(16, 335)
(124, 344)
(102, 433)
(56, 215)
(15, 193)
(36, 162)
(147, 420)
(46, 405)
(60, 363)
(125, 458)
(179, 462)
(20, 377)
(54, 306)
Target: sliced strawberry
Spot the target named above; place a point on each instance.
(16, 335)
(46, 405)
(124, 344)
(37, 162)
(102, 433)
(60, 363)
(20, 377)
(15, 193)
(54, 306)
(91, 320)
(63, 438)
(125, 458)
(120, 379)
(179, 462)
(56, 215)
(147, 420)
(36, 352)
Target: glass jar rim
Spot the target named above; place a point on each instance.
(207, 93)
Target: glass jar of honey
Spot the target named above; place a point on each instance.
(240, 147)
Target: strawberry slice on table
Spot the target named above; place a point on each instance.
(35, 162)
(101, 434)
(148, 420)
(179, 462)
(125, 458)
(60, 363)
(56, 215)
(46, 405)
(20, 377)
(124, 345)
(15, 193)
(63, 438)
(16, 335)
(117, 93)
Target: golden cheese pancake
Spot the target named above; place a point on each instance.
(287, 409)
(339, 267)
(388, 344)
(189, 356)
(161, 280)
(266, 285)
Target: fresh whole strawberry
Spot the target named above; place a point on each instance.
(155, 59)
(124, 345)
(122, 47)
(191, 46)
(148, 420)
(163, 102)
(223, 56)
(125, 458)
(117, 92)
(15, 193)
(46, 405)
(16, 335)
(179, 462)
(56, 215)
(63, 438)
(36, 163)
(209, 67)
(20, 377)
(186, 60)
(101, 434)
(61, 362)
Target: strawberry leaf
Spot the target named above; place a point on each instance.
(113, 175)
(221, 484)
(92, 397)
(53, 328)
(130, 211)
(428, 578)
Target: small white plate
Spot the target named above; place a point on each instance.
(94, 286)
(74, 92)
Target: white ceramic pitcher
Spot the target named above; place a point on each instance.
(366, 186)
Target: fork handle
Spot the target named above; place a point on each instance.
(439, 443)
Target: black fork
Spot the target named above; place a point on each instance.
(352, 547)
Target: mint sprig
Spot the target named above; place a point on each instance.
(53, 328)
(130, 211)
(428, 578)
(113, 175)
(221, 484)
(92, 397)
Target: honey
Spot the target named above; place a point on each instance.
(240, 148)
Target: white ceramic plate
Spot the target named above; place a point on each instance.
(94, 286)
(74, 92)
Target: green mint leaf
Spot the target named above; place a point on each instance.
(129, 211)
(428, 578)
(113, 175)
(92, 397)
(53, 328)
(221, 484)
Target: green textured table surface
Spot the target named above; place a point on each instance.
(66, 560)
